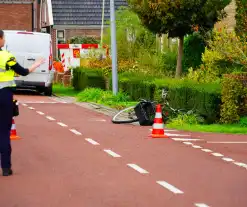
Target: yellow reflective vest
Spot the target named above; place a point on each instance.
(7, 60)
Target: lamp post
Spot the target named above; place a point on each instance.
(113, 48)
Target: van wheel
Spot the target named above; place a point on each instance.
(48, 90)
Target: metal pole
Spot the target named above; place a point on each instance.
(102, 23)
(113, 48)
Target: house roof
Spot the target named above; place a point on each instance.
(81, 12)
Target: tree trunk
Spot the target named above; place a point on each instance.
(180, 57)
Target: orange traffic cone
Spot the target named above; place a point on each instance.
(158, 126)
(13, 134)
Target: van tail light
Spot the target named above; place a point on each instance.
(50, 58)
(50, 62)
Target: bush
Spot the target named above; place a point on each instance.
(194, 47)
(243, 121)
(85, 77)
(233, 100)
(225, 53)
(205, 99)
(83, 40)
(241, 17)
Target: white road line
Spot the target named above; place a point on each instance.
(217, 154)
(166, 130)
(31, 108)
(61, 124)
(113, 154)
(196, 146)
(24, 104)
(50, 118)
(227, 159)
(206, 150)
(176, 135)
(39, 112)
(75, 132)
(91, 141)
(201, 205)
(138, 169)
(170, 187)
(228, 142)
(184, 139)
(240, 164)
(188, 143)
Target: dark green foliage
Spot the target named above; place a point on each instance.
(83, 40)
(194, 47)
(241, 17)
(204, 99)
(177, 17)
(85, 78)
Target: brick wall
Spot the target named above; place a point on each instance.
(16, 16)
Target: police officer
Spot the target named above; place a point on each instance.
(8, 66)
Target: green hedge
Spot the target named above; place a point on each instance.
(85, 77)
(205, 99)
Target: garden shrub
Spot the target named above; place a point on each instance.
(85, 77)
(234, 95)
(241, 18)
(194, 47)
(225, 53)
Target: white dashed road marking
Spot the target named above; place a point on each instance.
(113, 154)
(170, 187)
(31, 108)
(217, 155)
(75, 132)
(206, 150)
(61, 124)
(137, 168)
(227, 142)
(184, 139)
(201, 205)
(176, 135)
(188, 143)
(227, 159)
(196, 146)
(24, 104)
(50, 118)
(240, 164)
(41, 113)
(91, 141)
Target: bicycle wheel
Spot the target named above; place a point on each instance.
(125, 116)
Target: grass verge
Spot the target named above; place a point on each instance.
(60, 90)
(213, 128)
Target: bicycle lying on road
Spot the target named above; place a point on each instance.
(144, 112)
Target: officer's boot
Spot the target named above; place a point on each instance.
(7, 171)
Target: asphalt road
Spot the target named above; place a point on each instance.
(72, 156)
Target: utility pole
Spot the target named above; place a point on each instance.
(113, 48)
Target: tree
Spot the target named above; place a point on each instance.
(179, 18)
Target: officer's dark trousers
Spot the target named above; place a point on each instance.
(6, 113)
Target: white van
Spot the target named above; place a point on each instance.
(27, 47)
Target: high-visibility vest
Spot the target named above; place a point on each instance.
(7, 60)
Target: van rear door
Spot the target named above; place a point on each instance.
(28, 47)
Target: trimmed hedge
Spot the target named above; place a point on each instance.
(205, 99)
(85, 78)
